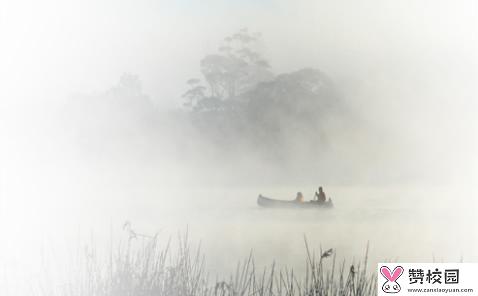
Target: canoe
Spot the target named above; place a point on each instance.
(275, 203)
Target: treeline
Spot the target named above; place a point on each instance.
(238, 106)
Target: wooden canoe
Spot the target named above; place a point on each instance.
(275, 203)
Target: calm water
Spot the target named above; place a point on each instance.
(399, 224)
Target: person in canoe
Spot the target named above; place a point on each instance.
(299, 197)
(321, 197)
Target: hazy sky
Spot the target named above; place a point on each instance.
(67, 46)
(410, 67)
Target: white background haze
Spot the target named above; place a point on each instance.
(407, 69)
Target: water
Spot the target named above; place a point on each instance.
(406, 224)
(398, 223)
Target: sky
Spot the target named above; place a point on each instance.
(68, 46)
(409, 67)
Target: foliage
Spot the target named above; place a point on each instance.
(245, 104)
(237, 68)
(143, 268)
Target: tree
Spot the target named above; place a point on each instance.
(244, 105)
(304, 95)
(195, 92)
(236, 69)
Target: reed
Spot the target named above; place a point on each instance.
(140, 266)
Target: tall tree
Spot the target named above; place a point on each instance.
(237, 68)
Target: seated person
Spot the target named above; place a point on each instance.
(299, 197)
(321, 195)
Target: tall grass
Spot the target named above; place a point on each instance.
(141, 267)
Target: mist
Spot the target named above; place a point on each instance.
(96, 130)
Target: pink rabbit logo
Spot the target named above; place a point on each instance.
(391, 285)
